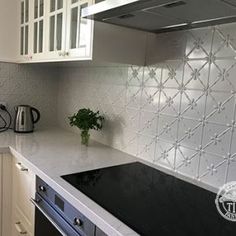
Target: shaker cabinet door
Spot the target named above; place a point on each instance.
(38, 25)
(25, 30)
(79, 30)
(55, 28)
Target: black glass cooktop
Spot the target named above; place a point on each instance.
(153, 203)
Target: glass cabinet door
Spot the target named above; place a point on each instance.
(38, 26)
(24, 27)
(57, 12)
(79, 30)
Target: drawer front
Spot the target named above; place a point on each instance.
(21, 225)
(23, 190)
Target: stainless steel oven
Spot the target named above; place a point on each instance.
(54, 216)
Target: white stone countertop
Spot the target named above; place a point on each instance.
(56, 152)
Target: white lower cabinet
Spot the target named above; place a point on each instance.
(17, 186)
(23, 188)
(6, 194)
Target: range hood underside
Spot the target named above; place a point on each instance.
(167, 15)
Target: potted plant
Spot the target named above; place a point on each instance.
(86, 119)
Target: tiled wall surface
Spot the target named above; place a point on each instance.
(34, 85)
(179, 113)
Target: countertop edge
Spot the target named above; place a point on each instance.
(112, 229)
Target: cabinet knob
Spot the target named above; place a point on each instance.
(67, 53)
(77, 221)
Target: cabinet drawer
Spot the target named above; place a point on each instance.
(21, 225)
(23, 188)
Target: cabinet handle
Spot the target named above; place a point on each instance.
(19, 229)
(20, 167)
(67, 53)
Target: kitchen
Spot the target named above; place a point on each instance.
(161, 75)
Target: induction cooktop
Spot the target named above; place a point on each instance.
(151, 202)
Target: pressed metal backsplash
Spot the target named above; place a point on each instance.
(179, 114)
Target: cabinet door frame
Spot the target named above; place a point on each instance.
(6, 193)
(79, 53)
(38, 55)
(55, 54)
(23, 55)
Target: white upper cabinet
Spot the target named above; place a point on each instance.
(38, 26)
(79, 31)
(53, 30)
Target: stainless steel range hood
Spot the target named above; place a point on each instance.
(162, 15)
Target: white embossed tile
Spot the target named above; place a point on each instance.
(152, 76)
(150, 99)
(193, 104)
(167, 128)
(196, 74)
(220, 107)
(190, 133)
(146, 147)
(148, 123)
(216, 139)
(135, 76)
(232, 169)
(224, 43)
(199, 43)
(133, 96)
(233, 141)
(222, 76)
(186, 161)
(165, 154)
(172, 74)
(212, 170)
(170, 102)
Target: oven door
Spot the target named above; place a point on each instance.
(48, 220)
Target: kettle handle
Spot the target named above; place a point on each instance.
(37, 113)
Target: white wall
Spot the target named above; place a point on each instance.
(178, 113)
(8, 30)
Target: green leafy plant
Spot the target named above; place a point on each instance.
(86, 119)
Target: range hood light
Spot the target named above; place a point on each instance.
(174, 26)
(215, 19)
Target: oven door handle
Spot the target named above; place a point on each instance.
(35, 203)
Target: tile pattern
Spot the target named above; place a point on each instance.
(179, 114)
(30, 84)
